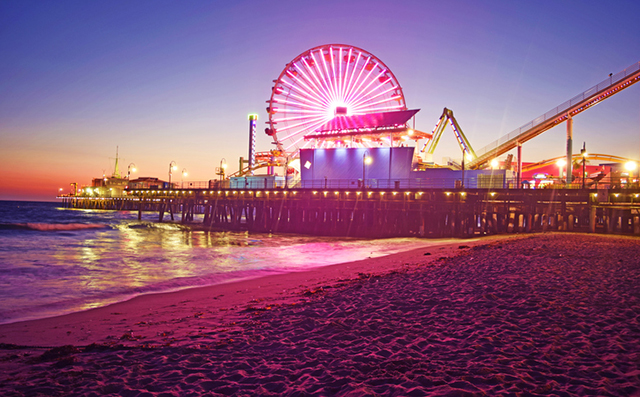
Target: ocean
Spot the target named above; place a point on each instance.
(55, 261)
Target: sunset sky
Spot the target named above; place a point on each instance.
(175, 81)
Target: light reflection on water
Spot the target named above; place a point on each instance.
(50, 273)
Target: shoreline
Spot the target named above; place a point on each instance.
(225, 257)
(109, 323)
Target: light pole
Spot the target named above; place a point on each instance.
(467, 156)
(561, 163)
(630, 166)
(584, 154)
(130, 168)
(366, 159)
(184, 173)
(172, 167)
(223, 167)
(286, 173)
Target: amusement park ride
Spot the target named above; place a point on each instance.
(426, 153)
(341, 96)
(324, 84)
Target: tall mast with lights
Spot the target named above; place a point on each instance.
(116, 170)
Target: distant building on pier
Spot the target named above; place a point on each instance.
(108, 186)
(148, 183)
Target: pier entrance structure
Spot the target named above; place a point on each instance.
(336, 95)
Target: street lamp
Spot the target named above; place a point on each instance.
(466, 156)
(286, 173)
(494, 164)
(561, 163)
(584, 154)
(184, 173)
(172, 167)
(630, 166)
(366, 159)
(130, 168)
(223, 167)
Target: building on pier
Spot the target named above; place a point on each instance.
(107, 186)
(388, 167)
(148, 183)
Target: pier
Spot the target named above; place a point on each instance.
(358, 167)
(431, 213)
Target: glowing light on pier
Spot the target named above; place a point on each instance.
(630, 166)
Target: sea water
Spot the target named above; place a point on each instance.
(55, 260)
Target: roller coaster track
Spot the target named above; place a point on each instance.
(591, 97)
(577, 157)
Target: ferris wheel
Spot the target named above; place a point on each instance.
(325, 82)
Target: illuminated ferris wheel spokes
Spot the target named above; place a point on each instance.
(323, 83)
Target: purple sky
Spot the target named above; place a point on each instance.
(175, 80)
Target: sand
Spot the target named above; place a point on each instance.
(544, 314)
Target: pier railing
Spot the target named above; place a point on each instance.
(479, 182)
(472, 182)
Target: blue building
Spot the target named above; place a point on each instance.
(387, 168)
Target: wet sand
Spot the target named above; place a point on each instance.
(546, 314)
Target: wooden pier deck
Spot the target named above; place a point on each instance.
(386, 213)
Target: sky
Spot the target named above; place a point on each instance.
(170, 81)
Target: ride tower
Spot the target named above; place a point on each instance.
(253, 119)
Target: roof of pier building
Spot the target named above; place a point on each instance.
(371, 125)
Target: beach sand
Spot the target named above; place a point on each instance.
(544, 314)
